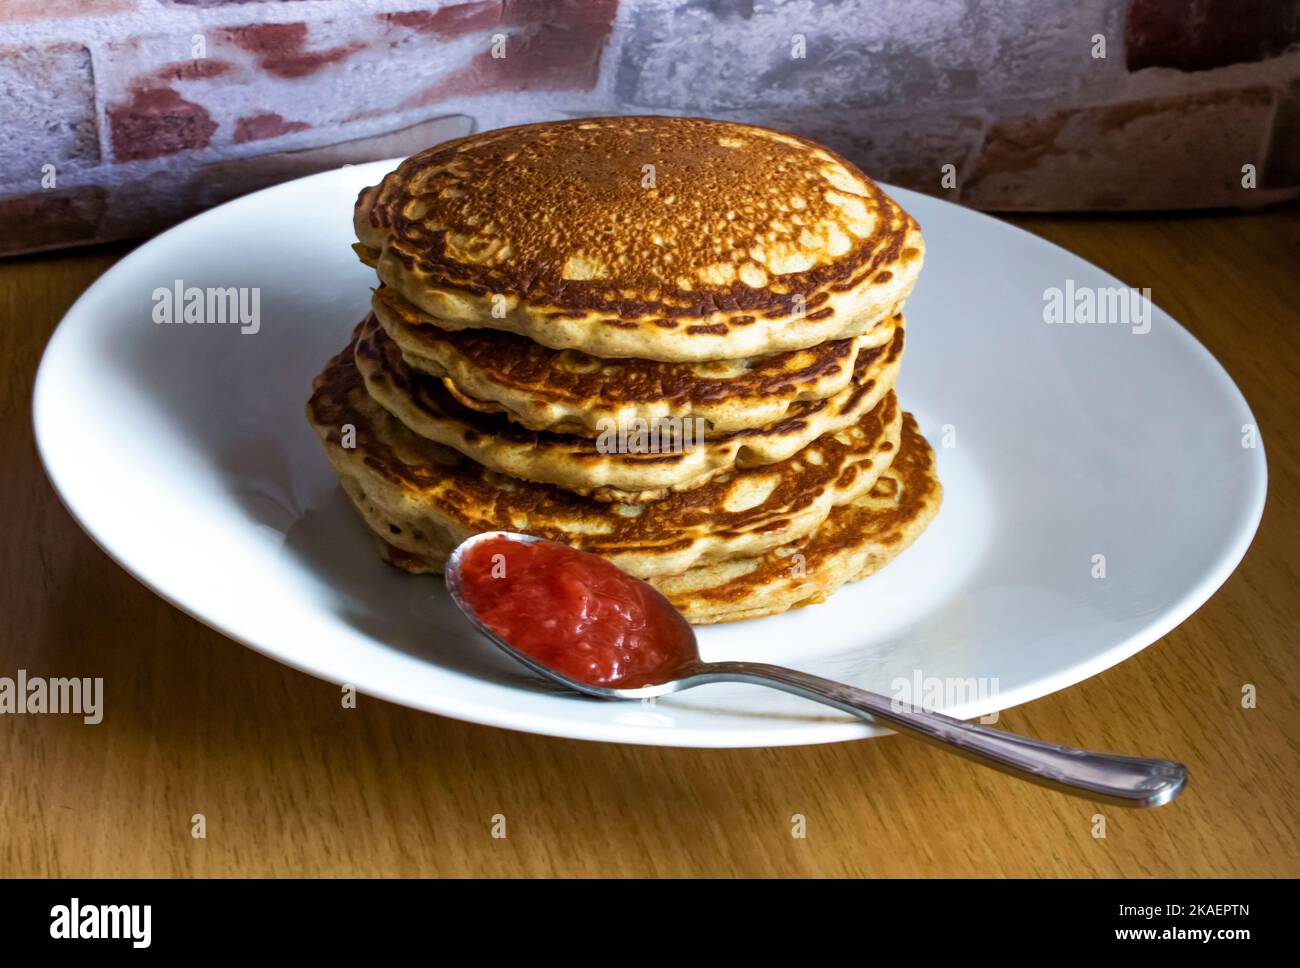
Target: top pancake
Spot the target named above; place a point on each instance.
(671, 239)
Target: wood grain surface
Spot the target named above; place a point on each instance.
(290, 783)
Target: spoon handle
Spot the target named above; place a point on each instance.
(1130, 781)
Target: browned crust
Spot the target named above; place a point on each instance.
(578, 380)
(476, 500)
(538, 181)
(432, 396)
(855, 541)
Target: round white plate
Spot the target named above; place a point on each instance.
(1066, 451)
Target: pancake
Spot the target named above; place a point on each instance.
(855, 541)
(661, 238)
(424, 498)
(570, 392)
(678, 457)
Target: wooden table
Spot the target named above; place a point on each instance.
(292, 784)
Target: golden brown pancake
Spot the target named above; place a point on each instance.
(856, 540)
(677, 457)
(570, 392)
(424, 498)
(659, 238)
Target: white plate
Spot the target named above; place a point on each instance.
(183, 451)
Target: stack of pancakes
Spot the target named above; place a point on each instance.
(672, 342)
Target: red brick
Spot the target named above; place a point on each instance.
(269, 40)
(157, 122)
(261, 126)
(565, 11)
(450, 22)
(45, 220)
(549, 57)
(461, 19)
(279, 49)
(1195, 35)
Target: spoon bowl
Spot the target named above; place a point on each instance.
(683, 674)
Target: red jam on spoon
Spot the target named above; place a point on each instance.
(575, 613)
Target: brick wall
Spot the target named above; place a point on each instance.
(118, 117)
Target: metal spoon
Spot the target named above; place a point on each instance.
(1129, 781)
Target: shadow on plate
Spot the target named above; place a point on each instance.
(235, 403)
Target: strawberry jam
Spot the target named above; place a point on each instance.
(575, 612)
